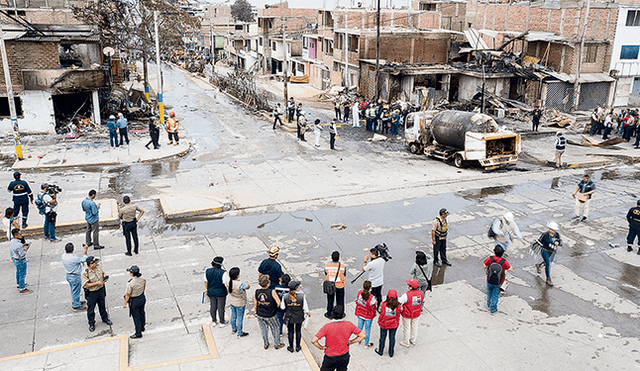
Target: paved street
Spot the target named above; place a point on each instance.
(288, 193)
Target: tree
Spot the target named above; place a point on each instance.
(241, 11)
(128, 25)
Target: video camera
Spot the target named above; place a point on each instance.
(383, 252)
(51, 189)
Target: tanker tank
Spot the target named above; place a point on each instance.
(449, 127)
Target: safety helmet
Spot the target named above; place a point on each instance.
(553, 225)
(508, 216)
(274, 251)
(172, 114)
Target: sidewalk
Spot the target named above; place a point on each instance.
(93, 153)
(70, 217)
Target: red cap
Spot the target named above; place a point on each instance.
(413, 283)
(393, 294)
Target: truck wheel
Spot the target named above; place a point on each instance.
(458, 161)
(414, 148)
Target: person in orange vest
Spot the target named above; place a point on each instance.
(389, 320)
(411, 308)
(334, 272)
(366, 310)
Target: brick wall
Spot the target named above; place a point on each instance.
(407, 49)
(27, 56)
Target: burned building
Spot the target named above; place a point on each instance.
(56, 73)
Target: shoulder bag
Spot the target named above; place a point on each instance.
(329, 287)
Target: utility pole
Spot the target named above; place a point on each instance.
(145, 71)
(377, 92)
(160, 104)
(10, 99)
(284, 44)
(345, 45)
(576, 84)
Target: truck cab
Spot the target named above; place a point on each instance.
(416, 128)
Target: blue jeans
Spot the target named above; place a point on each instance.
(394, 128)
(633, 233)
(113, 136)
(237, 319)
(493, 294)
(366, 323)
(49, 229)
(392, 340)
(74, 284)
(546, 257)
(21, 272)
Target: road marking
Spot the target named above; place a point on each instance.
(308, 356)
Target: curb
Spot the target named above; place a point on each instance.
(582, 164)
(188, 213)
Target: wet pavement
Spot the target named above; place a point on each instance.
(380, 192)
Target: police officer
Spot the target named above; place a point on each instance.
(93, 279)
(536, 115)
(134, 295)
(633, 217)
(439, 231)
(21, 196)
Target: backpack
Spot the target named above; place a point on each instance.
(40, 204)
(494, 272)
(490, 232)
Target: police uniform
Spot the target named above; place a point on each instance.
(137, 300)
(94, 295)
(21, 196)
(633, 217)
(441, 228)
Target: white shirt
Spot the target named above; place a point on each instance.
(376, 271)
(225, 277)
(48, 207)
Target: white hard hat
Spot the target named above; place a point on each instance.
(508, 216)
(553, 225)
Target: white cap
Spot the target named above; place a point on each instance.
(508, 216)
(112, 117)
(553, 225)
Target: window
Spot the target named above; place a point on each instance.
(428, 6)
(592, 54)
(273, 46)
(4, 106)
(629, 52)
(339, 41)
(633, 18)
(260, 41)
(328, 20)
(354, 42)
(305, 42)
(328, 46)
(301, 68)
(238, 27)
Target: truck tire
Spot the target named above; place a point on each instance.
(458, 161)
(414, 148)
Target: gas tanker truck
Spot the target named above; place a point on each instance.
(461, 138)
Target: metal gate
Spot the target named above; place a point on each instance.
(593, 93)
(559, 96)
(326, 79)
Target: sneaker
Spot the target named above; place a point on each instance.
(25, 291)
(135, 336)
(629, 248)
(437, 264)
(98, 247)
(538, 268)
(404, 344)
(223, 325)
(56, 239)
(584, 219)
(108, 322)
(378, 352)
(447, 262)
(279, 346)
(233, 331)
(243, 334)
(549, 282)
(214, 324)
(92, 328)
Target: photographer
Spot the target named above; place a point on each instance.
(375, 267)
(49, 194)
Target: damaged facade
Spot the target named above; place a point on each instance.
(56, 68)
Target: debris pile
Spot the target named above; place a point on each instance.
(242, 85)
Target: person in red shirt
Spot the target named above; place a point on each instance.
(493, 289)
(366, 310)
(411, 308)
(336, 336)
(389, 320)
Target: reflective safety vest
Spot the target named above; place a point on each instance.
(413, 306)
(388, 319)
(365, 309)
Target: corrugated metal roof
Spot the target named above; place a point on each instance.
(12, 35)
(474, 38)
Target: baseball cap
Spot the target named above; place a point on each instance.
(444, 211)
(393, 294)
(16, 175)
(553, 225)
(638, 203)
(413, 283)
(134, 269)
(293, 285)
(218, 259)
(92, 259)
(126, 199)
(274, 251)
